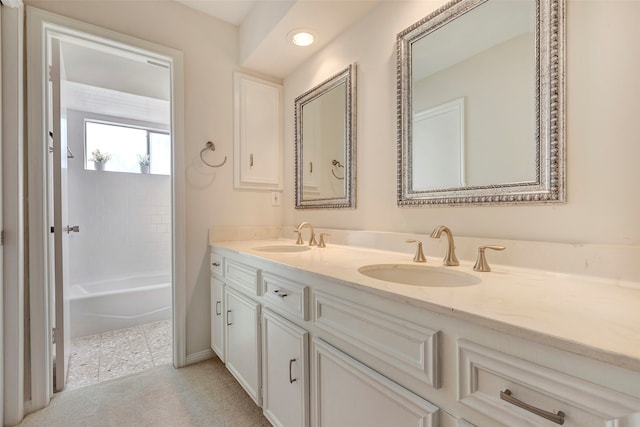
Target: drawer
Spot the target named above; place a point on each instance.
(216, 265)
(286, 296)
(241, 276)
(513, 391)
(395, 342)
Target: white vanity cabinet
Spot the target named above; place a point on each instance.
(218, 326)
(512, 391)
(243, 341)
(348, 393)
(285, 360)
(329, 353)
(235, 321)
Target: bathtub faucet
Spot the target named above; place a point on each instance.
(312, 239)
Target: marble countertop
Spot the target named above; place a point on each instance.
(597, 318)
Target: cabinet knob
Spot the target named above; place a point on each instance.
(279, 293)
(215, 264)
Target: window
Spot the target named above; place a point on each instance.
(124, 145)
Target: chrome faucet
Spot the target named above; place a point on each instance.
(312, 239)
(450, 256)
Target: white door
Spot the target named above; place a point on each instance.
(61, 226)
(285, 371)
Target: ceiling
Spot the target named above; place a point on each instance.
(264, 26)
(231, 11)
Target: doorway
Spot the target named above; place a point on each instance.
(51, 277)
(115, 124)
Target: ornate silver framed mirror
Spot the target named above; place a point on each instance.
(481, 104)
(325, 143)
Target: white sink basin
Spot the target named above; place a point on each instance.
(419, 275)
(282, 248)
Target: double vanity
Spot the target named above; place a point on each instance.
(360, 331)
(346, 335)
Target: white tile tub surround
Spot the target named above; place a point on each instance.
(124, 218)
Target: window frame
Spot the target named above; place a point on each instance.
(148, 129)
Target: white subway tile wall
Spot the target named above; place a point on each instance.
(124, 219)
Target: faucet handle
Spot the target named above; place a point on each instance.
(481, 262)
(419, 256)
(322, 243)
(299, 241)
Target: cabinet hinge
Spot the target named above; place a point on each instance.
(2, 238)
(50, 73)
(53, 335)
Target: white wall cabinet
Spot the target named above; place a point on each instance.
(258, 138)
(285, 370)
(243, 342)
(217, 317)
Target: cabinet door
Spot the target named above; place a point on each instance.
(243, 341)
(258, 133)
(217, 317)
(285, 372)
(348, 393)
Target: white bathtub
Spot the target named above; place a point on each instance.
(107, 306)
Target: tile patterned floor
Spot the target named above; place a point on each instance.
(113, 354)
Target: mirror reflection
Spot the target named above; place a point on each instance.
(474, 110)
(325, 143)
(323, 131)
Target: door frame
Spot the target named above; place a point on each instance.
(40, 25)
(13, 260)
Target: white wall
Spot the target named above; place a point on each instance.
(602, 100)
(210, 56)
(124, 218)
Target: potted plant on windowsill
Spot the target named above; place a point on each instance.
(99, 159)
(144, 161)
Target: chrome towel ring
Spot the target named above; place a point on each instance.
(211, 146)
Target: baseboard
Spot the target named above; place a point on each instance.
(200, 356)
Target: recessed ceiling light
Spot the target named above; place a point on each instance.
(302, 36)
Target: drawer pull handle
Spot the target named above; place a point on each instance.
(556, 418)
(218, 313)
(228, 316)
(291, 379)
(215, 264)
(280, 294)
